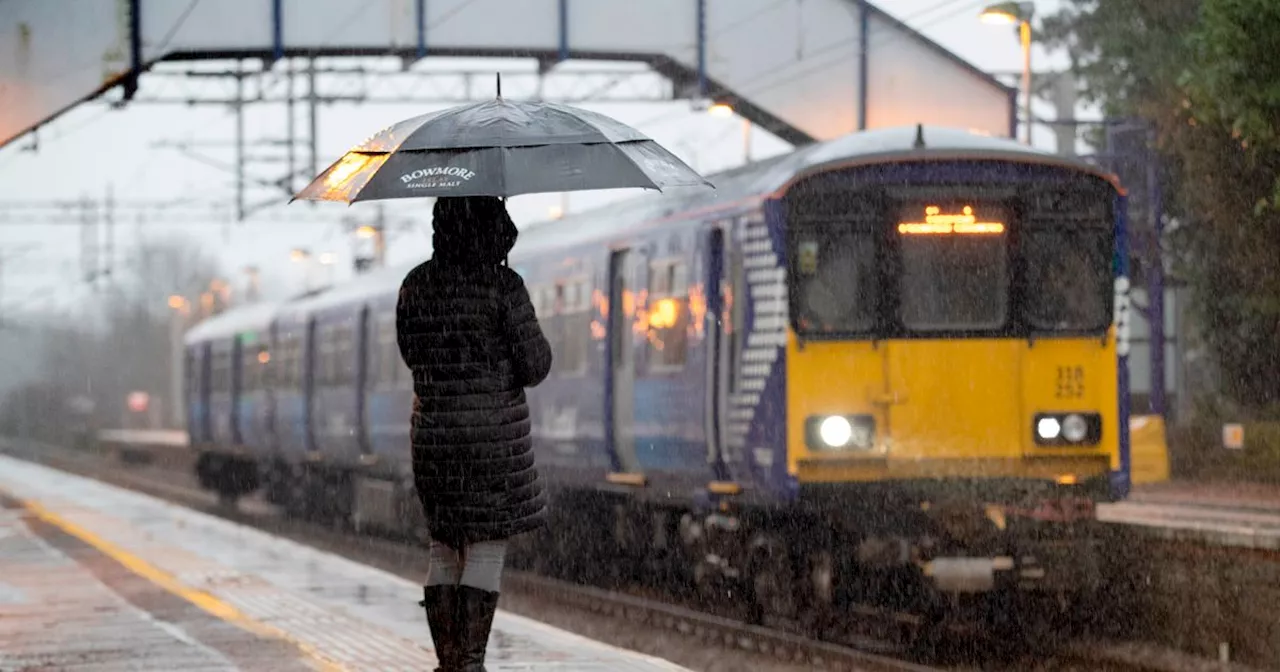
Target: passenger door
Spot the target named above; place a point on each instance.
(953, 379)
(620, 388)
(718, 350)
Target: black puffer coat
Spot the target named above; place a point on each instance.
(467, 329)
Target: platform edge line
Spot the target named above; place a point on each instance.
(200, 598)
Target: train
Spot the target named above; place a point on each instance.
(885, 369)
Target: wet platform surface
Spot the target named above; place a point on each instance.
(93, 577)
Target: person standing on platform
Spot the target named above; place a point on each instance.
(466, 328)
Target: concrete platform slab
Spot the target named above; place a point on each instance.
(214, 595)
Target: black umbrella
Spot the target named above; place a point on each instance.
(500, 148)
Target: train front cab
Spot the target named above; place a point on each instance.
(952, 359)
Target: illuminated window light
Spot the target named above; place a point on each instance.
(663, 315)
(937, 223)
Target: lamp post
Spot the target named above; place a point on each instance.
(1009, 13)
(181, 309)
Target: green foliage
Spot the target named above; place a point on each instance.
(1206, 74)
(1127, 52)
(1233, 80)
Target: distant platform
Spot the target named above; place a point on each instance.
(96, 577)
(1236, 515)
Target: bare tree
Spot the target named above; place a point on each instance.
(171, 266)
(122, 341)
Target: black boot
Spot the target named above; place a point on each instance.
(441, 603)
(475, 618)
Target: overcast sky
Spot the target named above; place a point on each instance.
(94, 149)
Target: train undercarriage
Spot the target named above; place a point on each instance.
(911, 557)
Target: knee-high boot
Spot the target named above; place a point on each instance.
(441, 604)
(476, 608)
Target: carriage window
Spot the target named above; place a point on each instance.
(668, 314)
(953, 277)
(221, 373)
(347, 365)
(280, 364)
(337, 354)
(543, 298)
(325, 359)
(286, 363)
(195, 370)
(574, 337)
(298, 362)
(391, 371)
(253, 361)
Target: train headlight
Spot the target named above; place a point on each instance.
(1048, 429)
(839, 432)
(835, 431)
(1074, 428)
(1067, 430)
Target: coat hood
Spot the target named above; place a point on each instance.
(472, 231)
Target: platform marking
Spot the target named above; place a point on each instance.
(163, 579)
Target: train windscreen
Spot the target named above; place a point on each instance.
(1067, 253)
(837, 284)
(954, 269)
(1002, 264)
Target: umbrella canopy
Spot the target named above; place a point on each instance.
(500, 148)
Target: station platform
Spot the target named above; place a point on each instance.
(94, 577)
(1220, 514)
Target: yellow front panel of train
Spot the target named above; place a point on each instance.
(957, 399)
(948, 408)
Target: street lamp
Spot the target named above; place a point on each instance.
(1009, 13)
(720, 110)
(181, 310)
(725, 110)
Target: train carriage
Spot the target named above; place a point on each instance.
(230, 406)
(891, 359)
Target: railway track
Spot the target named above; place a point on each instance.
(787, 649)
